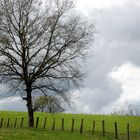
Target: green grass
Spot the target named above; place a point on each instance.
(43, 134)
(40, 134)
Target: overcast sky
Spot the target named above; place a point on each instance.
(114, 66)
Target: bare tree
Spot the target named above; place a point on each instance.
(41, 47)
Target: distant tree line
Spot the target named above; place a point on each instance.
(129, 110)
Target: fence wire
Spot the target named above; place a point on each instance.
(125, 129)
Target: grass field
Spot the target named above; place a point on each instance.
(25, 133)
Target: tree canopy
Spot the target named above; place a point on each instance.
(41, 47)
(51, 104)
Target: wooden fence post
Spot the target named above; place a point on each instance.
(53, 125)
(81, 127)
(21, 124)
(103, 127)
(8, 121)
(15, 124)
(116, 131)
(1, 123)
(44, 126)
(93, 131)
(128, 133)
(37, 120)
(62, 124)
(72, 126)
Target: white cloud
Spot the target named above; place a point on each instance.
(128, 75)
(12, 103)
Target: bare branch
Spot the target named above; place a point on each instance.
(42, 47)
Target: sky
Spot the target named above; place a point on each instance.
(114, 64)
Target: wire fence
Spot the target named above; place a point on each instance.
(118, 130)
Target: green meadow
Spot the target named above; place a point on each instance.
(53, 128)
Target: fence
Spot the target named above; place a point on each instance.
(83, 126)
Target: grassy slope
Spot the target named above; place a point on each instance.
(35, 134)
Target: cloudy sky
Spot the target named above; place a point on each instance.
(114, 66)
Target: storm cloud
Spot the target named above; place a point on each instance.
(115, 55)
(116, 50)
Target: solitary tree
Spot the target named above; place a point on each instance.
(49, 104)
(41, 47)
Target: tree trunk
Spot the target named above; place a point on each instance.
(30, 117)
(30, 108)
(42, 110)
